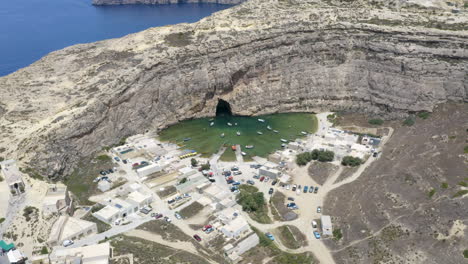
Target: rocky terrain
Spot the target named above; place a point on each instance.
(262, 56)
(407, 207)
(158, 2)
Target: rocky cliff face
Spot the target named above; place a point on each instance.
(262, 56)
(158, 2)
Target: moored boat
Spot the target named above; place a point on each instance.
(229, 124)
(233, 147)
(261, 120)
(260, 133)
(249, 147)
(284, 140)
(222, 135)
(283, 145)
(212, 124)
(269, 127)
(187, 139)
(276, 131)
(243, 153)
(238, 133)
(303, 133)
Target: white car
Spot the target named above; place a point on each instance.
(67, 243)
(314, 224)
(266, 179)
(287, 187)
(298, 191)
(319, 209)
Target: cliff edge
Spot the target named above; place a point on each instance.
(162, 2)
(262, 56)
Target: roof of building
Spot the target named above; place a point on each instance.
(236, 224)
(138, 197)
(326, 220)
(107, 212)
(186, 170)
(94, 254)
(5, 247)
(14, 256)
(213, 190)
(75, 226)
(121, 204)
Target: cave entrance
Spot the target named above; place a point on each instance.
(223, 108)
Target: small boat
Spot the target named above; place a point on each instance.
(211, 119)
(238, 133)
(303, 133)
(233, 147)
(284, 140)
(276, 131)
(235, 124)
(187, 139)
(260, 133)
(243, 153)
(212, 124)
(261, 120)
(283, 145)
(269, 127)
(249, 147)
(229, 124)
(222, 135)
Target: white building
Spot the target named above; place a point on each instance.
(108, 214)
(268, 172)
(235, 228)
(94, 254)
(295, 146)
(104, 185)
(227, 215)
(186, 172)
(326, 223)
(139, 199)
(70, 228)
(12, 176)
(57, 200)
(147, 170)
(233, 252)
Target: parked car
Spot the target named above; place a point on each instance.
(236, 183)
(274, 182)
(316, 190)
(212, 180)
(270, 236)
(67, 243)
(294, 187)
(288, 186)
(290, 199)
(237, 172)
(234, 168)
(311, 189)
(306, 189)
(206, 227)
(314, 224)
(209, 230)
(124, 161)
(117, 159)
(250, 182)
(197, 238)
(298, 191)
(262, 178)
(256, 176)
(157, 216)
(299, 186)
(267, 179)
(230, 181)
(317, 235)
(103, 173)
(319, 209)
(171, 201)
(270, 191)
(177, 215)
(167, 219)
(234, 188)
(375, 154)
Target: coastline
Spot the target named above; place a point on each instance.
(163, 2)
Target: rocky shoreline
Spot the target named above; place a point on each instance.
(162, 2)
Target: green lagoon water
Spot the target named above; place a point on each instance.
(207, 139)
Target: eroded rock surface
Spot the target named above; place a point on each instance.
(262, 56)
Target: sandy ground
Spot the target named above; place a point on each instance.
(4, 198)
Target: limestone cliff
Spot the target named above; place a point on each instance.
(158, 2)
(262, 56)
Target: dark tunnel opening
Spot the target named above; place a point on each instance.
(223, 108)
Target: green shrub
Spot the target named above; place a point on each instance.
(431, 193)
(376, 121)
(205, 166)
(103, 158)
(184, 180)
(337, 235)
(444, 185)
(423, 115)
(460, 193)
(320, 155)
(465, 252)
(194, 162)
(462, 183)
(466, 149)
(408, 121)
(2, 220)
(44, 250)
(351, 161)
(325, 156)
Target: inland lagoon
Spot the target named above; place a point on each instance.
(261, 134)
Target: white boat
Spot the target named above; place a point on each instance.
(238, 133)
(283, 145)
(284, 140)
(243, 153)
(222, 135)
(261, 120)
(303, 133)
(229, 124)
(249, 147)
(269, 127)
(212, 124)
(276, 131)
(260, 133)
(235, 124)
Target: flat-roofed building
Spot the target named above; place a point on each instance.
(236, 227)
(234, 251)
(327, 229)
(269, 172)
(57, 200)
(139, 199)
(191, 184)
(108, 214)
(147, 170)
(12, 176)
(94, 254)
(186, 172)
(70, 228)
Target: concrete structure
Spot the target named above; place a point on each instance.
(191, 184)
(139, 199)
(12, 176)
(70, 228)
(94, 254)
(186, 172)
(274, 157)
(295, 146)
(269, 172)
(227, 215)
(233, 252)
(16, 257)
(108, 214)
(57, 200)
(326, 223)
(147, 170)
(235, 228)
(104, 185)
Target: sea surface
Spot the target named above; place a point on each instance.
(207, 139)
(30, 29)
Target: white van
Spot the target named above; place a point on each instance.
(314, 224)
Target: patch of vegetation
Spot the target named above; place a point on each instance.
(465, 252)
(101, 226)
(333, 118)
(191, 210)
(431, 193)
(291, 237)
(289, 258)
(408, 121)
(466, 149)
(44, 250)
(320, 155)
(148, 252)
(206, 166)
(423, 115)
(253, 202)
(351, 161)
(444, 185)
(32, 173)
(337, 235)
(2, 150)
(2, 220)
(460, 193)
(376, 121)
(180, 39)
(103, 157)
(29, 212)
(463, 183)
(184, 180)
(194, 162)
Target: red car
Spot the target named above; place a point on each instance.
(262, 178)
(197, 238)
(206, 227)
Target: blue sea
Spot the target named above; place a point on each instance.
(30, 29)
